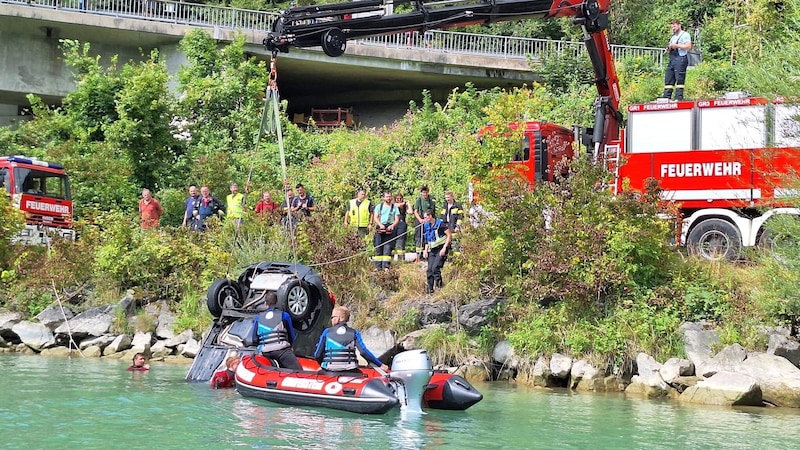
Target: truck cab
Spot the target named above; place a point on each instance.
(41, 191)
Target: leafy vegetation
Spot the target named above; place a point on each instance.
(584, 273)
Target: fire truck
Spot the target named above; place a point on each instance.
(726, 163)
(40, 190)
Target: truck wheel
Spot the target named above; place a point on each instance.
(298, 301)
(714, 240)
(782, 247)
(223, 294)
(334, 42)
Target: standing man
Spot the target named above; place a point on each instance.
(423, 203)
(235, 205)
(192, 213)
(359, 213)
(386, 217)
(150, 210)
(437, 241)
(303, 203)
(273, 331)
(265, 206)
(286, 208)
(679, 45)
(209, 206)
(452, 213)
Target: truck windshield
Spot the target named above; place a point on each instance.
(39, 182)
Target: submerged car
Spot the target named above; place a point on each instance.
(235, 303)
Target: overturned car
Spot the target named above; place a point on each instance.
(235, 303)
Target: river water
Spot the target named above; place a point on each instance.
(59, 403)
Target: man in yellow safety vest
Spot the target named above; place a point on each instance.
(235, 205)
(359, 213)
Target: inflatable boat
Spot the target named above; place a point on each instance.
(411, 385)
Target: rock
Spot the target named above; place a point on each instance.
(541, 372)
(160, 350)
(475, 315)
(436, 312)
(724, 388)
(7, 321)
(585, 377)
(681, 383)
(674, 368)
(179, 339)
(377, 340)
(166, 320)
(127, 304)
(778, 378)
(473, 373)
(504, 354)
(92, 322)
(93, 351)
(60, 351)
(141, 342)
(560, 365)
(52, 316)
(24, 349)
(649, 372)
(190, 348)
(698, 341)
(3, 343)
(34, 335)
(725, 360)
(783, 345)
(101, 341)
(119, 344)
(637, 387)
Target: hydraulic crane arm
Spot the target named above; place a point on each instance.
(331, 25)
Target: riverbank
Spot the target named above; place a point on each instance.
(733, 376)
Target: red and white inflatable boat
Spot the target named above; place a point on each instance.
(411, 384)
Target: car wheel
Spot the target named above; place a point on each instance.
(714, 240)
(223, 294)
(298, 301)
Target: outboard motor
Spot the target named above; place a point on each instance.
(411, 372)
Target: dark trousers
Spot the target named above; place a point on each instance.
(419, 238)
(676, 75)
(435, 264)
(383, 250)
(400, 242)
(285, 358)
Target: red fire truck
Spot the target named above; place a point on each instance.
(725, 162)
(41, 190)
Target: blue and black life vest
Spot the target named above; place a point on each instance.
(340, 349)
(272, 333)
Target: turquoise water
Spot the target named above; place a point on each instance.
(55, 403)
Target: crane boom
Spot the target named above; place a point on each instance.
(331, 25)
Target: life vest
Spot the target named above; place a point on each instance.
(272, 334)
(222, 380)
(359, 214)
(340, 349)
(235, 208)
(433, 234)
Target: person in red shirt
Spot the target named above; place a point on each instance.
(139, 364)
(150, 209)
(224, 379)
(265, 206)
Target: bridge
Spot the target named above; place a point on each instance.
(377, 76)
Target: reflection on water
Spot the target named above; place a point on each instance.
(91, 403)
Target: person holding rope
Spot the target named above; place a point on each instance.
(437, 242)
(386, 217)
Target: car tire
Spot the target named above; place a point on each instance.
(297, 300)
(223, 294)
(715, 240)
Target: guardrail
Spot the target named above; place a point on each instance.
(209, 16)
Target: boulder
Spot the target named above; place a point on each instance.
(119, 344)
(698, 340)
(504, 354)
(560, 365)
(409, 341)
(541, 373)
(681, 383)
(181, 338)
(60, 351)
(585, 377)
(127, 304)
(189, 349)
(7, 321)
(637, 387)
(100, 341)
(378, 340)
(34, 335)
(674, 368)
(435, 312)
(725, 389)
(160, 350)
(649, 372)
(785, 346)
(778, 378)
(725, 360)
(52, 316)
(92, 322)
(93, 351)
(141, 342)
(475, 315)
(473, 373)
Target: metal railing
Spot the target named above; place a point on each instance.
(209, 16)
